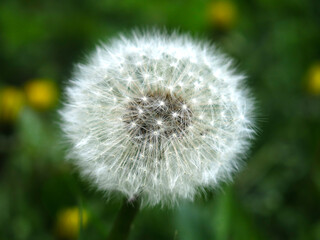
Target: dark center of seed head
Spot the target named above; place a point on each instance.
(157, 115)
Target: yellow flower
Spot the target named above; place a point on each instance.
(222, 14)
(11, 102)
(42, 94)
(313, 79)
(68, 222)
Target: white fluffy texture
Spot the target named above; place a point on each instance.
(158, 165)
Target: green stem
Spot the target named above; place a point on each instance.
(121, 227)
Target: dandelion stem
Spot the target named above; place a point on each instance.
(122, 225)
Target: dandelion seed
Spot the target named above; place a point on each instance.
(159, 122)
(161, 103)
(140, 111)
(129, 79)
(170, 88)
(153, 138)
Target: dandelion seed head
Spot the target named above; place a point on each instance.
(157, 116)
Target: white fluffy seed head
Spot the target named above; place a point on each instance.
(157, 116)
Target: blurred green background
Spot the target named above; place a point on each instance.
(275, 196)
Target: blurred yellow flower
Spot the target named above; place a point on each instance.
(11, 102)
(313, 79)
(68, 222)
(222, 14)
(42, 94)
